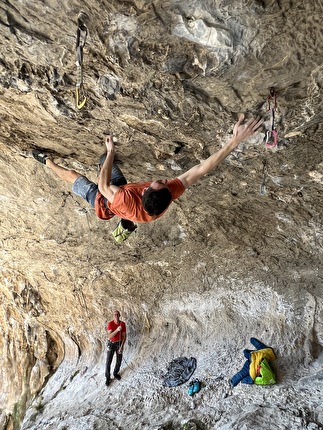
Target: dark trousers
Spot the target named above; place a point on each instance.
(113, 348)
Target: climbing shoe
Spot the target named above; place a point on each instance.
(190, 388)
(196, 386)
(123, 230)
(39, 156)
(117, 376)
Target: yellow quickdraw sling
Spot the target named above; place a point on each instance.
(80, 42)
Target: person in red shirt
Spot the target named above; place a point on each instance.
(144, 201)
(117, 335)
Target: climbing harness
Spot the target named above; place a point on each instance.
(81, 35)
(271, 134)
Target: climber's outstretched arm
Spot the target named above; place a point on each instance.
(240, 132)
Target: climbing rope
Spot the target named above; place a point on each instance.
(271, 134)
(81, 35)
(263, 188)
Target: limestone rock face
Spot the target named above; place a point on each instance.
(238, 255)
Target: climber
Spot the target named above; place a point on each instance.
(144, 201)
(116, 339)
(256, 369)
(89, 190)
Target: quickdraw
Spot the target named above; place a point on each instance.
(271, 134)
(80, 43)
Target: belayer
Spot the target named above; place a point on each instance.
(141, 201)
(117, 335)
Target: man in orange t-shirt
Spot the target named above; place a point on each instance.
(146, 201)
(117, 335)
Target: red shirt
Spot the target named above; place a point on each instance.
(127, 201)
(112, 325)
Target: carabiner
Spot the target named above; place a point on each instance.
(271, 138)
(79, 103)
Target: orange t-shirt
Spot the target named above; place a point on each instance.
(127, 201)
